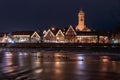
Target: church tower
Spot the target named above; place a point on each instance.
(81, 21)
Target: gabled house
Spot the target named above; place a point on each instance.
(25, 36)
(60, 37)
(35, 37)
(70, 35)
(54, 35)
(49, 36)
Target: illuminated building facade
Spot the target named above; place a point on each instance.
(81, 22)
(70, 35)
(79, 34)
(25, 36)
(60, 37)
(49, 36)
(116, 37)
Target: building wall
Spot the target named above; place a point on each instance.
(116, 38)
(60, 37)
(87, 39)
(21, 38)
(49, 37)
(103, 39)
(35, 38)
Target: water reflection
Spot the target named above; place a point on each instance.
(56, 65)
(8, 59)
(8, 62)
(105, 58)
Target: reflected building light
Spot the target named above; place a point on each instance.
(105, 59)
(115, 41)
(114, 65)
(38, 54)
(20, 59)
(58, 66)
(58, 71)
(36, 62)
(80, 62)
(38, 71)
(8, 54)
(7, 62)
(8, 58)
(25, 54)
(20, 53)
(57, 63)
(57, 54)
(104, 67)
(81, 58)
(36, 65)
(104, 64)
(8, 69)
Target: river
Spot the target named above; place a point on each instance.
(37, 64)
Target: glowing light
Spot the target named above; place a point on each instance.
(53, 28)
(81, 58)
(25, 54)
(115, 41)
(44, 31)
(58, 38)
(20, 54)
(8, 58)
(8, 54)
(38, 70)
(105, 59)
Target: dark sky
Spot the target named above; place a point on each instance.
(33, 14)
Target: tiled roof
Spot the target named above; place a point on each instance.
(86, 33)
(22, 33)
(103, 33)
(92, 33)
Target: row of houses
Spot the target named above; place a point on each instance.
(63, 35)
(79, 34)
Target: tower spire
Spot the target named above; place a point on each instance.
(81, 20)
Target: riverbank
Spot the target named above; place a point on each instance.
(88, 47)
(57, 45)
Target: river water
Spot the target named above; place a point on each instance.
(31, 64)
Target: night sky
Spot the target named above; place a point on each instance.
(41, 14)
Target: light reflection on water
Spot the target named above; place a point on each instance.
(59, 65)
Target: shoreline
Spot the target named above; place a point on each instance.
(64, 46)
